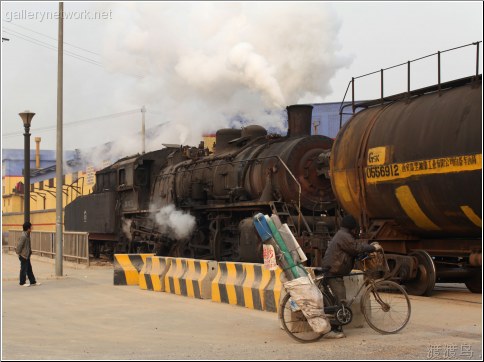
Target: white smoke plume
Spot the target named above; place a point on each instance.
(199, 64)
(174, 223)
(126, 227)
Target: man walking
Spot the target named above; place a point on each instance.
(24, 251)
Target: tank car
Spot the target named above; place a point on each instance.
(411, 171)
(250, 171)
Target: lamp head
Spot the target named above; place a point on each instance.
(27, 117)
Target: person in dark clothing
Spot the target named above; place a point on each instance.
(24, 252)
(339, 259)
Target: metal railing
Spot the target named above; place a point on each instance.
(75, 245)
(408, 63)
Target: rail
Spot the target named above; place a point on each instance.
(75, 245)
(382, 98)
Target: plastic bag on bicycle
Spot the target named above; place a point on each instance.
(309, 299)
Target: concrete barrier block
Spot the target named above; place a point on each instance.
(353, 284)
(127, 268)
(152, 275)
(248, 285)
(251, 287)
(227, 286)
(271, 286)
(190, 277)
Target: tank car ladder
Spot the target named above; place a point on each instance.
(281, 209)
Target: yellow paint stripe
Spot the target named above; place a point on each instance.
(132, 276)
(155, 274)
(341, 185)
(231, 279)
(471, 215)
(277, 287)
(247, 286)
(215, 286)
(191, 277)
(264, 282)
(397, 171)
(141, 276)
(176, 280)
(413, 210)
(169, 275)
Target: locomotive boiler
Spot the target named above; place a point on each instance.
(411, 171)
(250, 171)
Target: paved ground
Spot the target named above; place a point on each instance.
(82, 316)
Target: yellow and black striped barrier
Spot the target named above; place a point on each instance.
(152, 275)
(127, 268)
(190, 277)
(248, 285)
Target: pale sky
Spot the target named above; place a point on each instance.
(195, 65)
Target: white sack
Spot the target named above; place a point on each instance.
(309, 298)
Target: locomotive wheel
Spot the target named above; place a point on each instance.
(424, 282)
(182, 250)
(474, 284)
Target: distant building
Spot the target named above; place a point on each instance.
(78, 179)
(327, 120)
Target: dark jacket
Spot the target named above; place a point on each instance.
(342, 250)
(23, 247)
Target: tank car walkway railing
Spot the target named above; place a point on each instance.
(75, 245)
(409, 93)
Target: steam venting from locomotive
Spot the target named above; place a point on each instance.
(173, 223)
(234, 65)
(126, 228)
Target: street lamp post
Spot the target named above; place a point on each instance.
(27, 119)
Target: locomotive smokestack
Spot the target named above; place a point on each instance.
(299, 120)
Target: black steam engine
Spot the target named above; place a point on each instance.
(409, 168)
(249, 171)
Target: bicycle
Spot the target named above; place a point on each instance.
(384, 304)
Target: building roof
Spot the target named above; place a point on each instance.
(13, 163)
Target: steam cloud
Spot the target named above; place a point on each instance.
(175, 223)
(200, 64)
(126, 227)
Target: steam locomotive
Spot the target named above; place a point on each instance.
(249, 171)
(408, 168)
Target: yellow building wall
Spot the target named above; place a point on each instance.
(42, 200)
(9, 183)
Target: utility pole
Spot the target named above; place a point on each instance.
(58, 195)
(143, 112)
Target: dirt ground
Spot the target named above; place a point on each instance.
(82, 316)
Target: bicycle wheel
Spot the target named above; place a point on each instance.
(295, 323)
(386, 307)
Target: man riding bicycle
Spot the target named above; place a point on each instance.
(339, 259)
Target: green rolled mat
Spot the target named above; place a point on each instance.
(293, 267)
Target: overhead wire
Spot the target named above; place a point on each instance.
(50, 37)
(41, 43)
(67, 124)
(50, 46)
